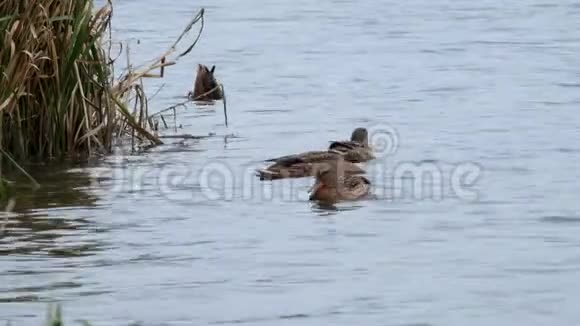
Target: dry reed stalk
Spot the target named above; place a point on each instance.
(58, 94)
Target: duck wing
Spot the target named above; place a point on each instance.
(358, 155)
(344, 145)
(299, 166)
(306, 157)
(276, 171)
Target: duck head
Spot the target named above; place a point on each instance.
(360, 135)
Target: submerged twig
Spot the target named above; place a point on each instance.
(164, 123)
(21, 169)
(175, 119)
(170, 108)
(225, 107)
(185, 136)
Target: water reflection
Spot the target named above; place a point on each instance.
(36, 227)
(62, 185)
(328, 209)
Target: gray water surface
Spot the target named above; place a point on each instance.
(161, 238)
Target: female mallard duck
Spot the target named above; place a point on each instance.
(206, 87)
(332, 184)
(303, 165)
(355, 150)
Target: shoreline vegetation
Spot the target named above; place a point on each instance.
(59, 97)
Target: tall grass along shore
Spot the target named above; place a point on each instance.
(58, 94)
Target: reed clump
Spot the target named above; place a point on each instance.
(58, 93)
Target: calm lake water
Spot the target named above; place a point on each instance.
(483, 94)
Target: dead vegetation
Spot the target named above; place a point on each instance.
(58, 93)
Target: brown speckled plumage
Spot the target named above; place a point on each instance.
(333, 184)
(204, 83)
(300, 165)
